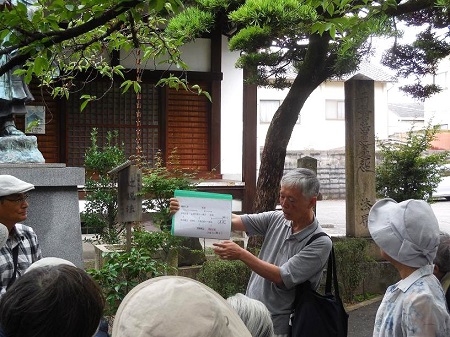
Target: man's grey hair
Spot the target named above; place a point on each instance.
(304, 179)
(254, 314)
(442, 259)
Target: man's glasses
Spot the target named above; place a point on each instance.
(18, 200)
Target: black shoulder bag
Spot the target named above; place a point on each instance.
(317, 315)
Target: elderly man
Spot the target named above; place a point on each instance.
(407, 234)
(22, 247)
(284, 262)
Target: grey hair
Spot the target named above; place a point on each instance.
(442, 259)
(254, 314)
(304, 179)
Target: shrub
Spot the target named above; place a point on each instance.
(101, 191)
(405, 171)
(352, 260)
(122, 271)
(159, 184)
(237, 276)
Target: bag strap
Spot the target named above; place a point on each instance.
(15, 254)
(315, 236)
(332, 274)
(331, 267)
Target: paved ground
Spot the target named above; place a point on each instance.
(331, 215)
(361, 318)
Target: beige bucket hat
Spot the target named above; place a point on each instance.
(170, 306)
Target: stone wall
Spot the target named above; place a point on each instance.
(330, 170)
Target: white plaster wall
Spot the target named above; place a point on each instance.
(195, 54)
(437, 108)
(231, 114)
(381, 110)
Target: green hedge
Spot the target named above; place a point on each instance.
(225, 277)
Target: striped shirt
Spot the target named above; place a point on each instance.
(28, 252)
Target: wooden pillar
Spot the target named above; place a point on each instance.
(249, 150)
(216, 89)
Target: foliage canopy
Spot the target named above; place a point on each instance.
(299, 45)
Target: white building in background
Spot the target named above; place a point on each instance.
(321, 123)
(404, 117)
(437, 108)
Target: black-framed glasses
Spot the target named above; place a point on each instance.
(19, 199)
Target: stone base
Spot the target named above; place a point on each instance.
(20, 149)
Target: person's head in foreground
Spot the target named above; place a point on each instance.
(442, 259)
(408, 236)
(176, 306)
(254, 314)
(58, 300)
(49, 262)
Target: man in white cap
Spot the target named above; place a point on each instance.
(22, 247)
(408, 236)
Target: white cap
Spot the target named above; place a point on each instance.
(12, 185)
(176, 306)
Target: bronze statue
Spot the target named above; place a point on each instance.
(14, 92)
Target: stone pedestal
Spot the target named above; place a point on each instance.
(359, 154)
(20, 149)
(53, 210)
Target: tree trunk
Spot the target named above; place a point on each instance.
(314, 70)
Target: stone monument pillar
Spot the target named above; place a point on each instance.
(309, 163)
(359, 154)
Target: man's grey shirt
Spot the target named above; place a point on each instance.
(285, 250)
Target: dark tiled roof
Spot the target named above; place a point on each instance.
(405, 110)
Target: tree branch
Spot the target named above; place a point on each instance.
(410, 7)
(60, 36)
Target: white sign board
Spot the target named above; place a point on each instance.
(202, 215)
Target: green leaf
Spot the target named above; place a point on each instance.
(136, 86)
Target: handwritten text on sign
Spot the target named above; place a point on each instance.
(202, 215)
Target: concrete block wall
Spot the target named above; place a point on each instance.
(330, 170)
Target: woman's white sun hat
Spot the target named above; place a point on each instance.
(407, 231)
